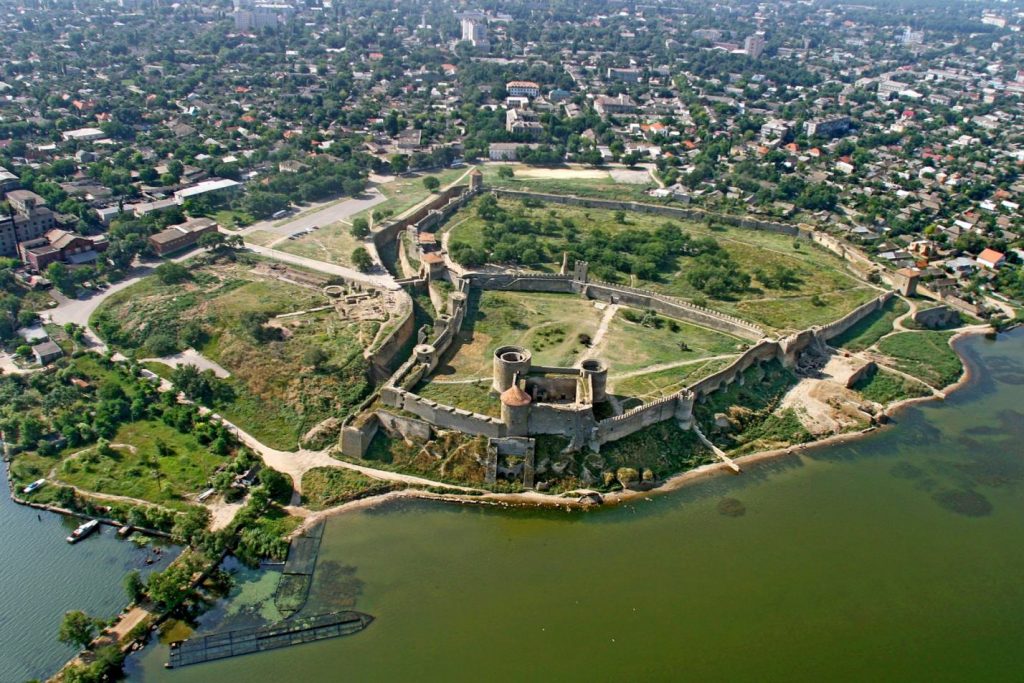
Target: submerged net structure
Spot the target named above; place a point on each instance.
(261, 638)
(297, 576)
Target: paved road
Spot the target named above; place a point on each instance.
(381, 280)
(318, 215)
(192, 357)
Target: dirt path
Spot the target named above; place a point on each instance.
(191, 357)
(131, 619)
(597, 342)
(897, 324)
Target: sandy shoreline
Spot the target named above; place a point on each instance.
(674, 483)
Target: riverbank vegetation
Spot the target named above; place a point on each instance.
(327, 487)
(925, 355)
(744, 417)
(286, 375)
(96, 426)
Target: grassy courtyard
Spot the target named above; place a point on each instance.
(549, 325)
(286, 374)
(871, 328)
(817, 288)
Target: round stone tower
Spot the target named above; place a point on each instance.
(515, 411)
(425, 353)
(509, 360)
(597, 371)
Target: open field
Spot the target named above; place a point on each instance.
(818, 289)
(925, 355)
(547, 324)
(148, 460)
(628, 184)
(287, 374)
(331, 243)
(630, 346)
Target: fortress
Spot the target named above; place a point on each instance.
(538, 400)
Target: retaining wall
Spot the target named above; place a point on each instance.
(382, 358)
(409, 428)
(837, 327)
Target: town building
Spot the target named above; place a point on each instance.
(522, 88)
(827, 127)
(753, 45)
(178, 237)
(214, 185)
(60, 246)
(523, 123)
(474, 30)
(30, 220)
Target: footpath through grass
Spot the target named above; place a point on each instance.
(925, 355)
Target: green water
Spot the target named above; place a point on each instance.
(898, 558)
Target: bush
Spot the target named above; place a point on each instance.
(171, 273)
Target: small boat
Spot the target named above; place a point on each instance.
(83, 531)
(34, 486)
(125, 531)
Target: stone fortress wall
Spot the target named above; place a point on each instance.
(574, 420)
(656, 209)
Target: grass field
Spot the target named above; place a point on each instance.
(654, 385)
(632, 346)
(529, 179)
(547, 324)
(885, 387)
(475, 396)
(925, 355)
(326, 487)
(134, 466)
(332, 243)
(277, 394)
(868, 331)
(822, 289)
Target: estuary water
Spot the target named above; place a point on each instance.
(896, 557)
(42, 576)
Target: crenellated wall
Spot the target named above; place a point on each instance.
(677, 406)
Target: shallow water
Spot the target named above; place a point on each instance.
(42, 576)
(895, 557)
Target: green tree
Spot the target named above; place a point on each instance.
(171, 273)
(431, 183)
(505, 172)
(77, 628)
(361, 259)
(360, 228)
(134, 586)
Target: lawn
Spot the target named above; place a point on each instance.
(821, 289)
(327, 487)
(233, 219)
(873, 327)
(135, 467)
(547, 324)
(277, 394)
(925, 355)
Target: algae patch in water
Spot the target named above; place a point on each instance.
(731, 507)
(966, 503)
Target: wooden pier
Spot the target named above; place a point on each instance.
(260, 639)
